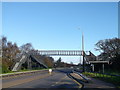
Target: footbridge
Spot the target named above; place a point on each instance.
(60, 52)
(28, 57)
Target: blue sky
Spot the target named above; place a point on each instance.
(54, 26)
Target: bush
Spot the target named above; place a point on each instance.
(5, 69)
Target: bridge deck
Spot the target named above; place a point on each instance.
(61, 52)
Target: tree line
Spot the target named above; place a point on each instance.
(10, 52)
(109, 50)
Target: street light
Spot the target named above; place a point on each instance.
(83, 51)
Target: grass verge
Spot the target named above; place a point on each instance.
(107, 78)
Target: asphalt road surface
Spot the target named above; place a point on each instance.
(58, 79)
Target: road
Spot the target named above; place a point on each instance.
(58, 79)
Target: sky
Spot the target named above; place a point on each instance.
(59, 26)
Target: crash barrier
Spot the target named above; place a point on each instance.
(81, 85)
(85, 79)
(21, 73)
(25, 72)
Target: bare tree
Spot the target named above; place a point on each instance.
(110, 47)
(26, 48)
(110, 50)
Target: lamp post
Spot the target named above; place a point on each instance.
(83, 51)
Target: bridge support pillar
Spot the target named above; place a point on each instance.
(29, 63)
(83, 61)
(93, 67)
(103, 67)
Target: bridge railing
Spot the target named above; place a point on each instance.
(59, 52)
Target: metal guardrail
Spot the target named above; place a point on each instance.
(20, 73)
(81, 85)
(84, 78)
(25, 72)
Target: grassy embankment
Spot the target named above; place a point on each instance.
(107, 78)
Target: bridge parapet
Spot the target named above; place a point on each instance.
(60, 52)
